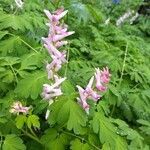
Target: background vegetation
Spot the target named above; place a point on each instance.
(119, 121)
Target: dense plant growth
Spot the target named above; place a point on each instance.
(108, 34)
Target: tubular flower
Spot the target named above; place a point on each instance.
(57, 32)
(83, 97)
(51, 91)
(19, 3)
(102, 78)
(17, 108)
(91, 93)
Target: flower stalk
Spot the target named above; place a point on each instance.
(54, 41)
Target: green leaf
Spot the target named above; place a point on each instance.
(3, 33)
(13, 142)
(31, 61)
(8, 46)
(132, 135)
(78, 145)
(94, 140)
(9, 61)
(33, 120)
(7, 76)
(145, 126)
(20, 121)
(107, 132)
(32, 85)
(16, 22)
(3, 118)
(106, 146)
(53, 140)
(66, 110)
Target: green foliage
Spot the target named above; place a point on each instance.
(53, 140)
(32, 85)
(77, 144)
(145, 126)
(119, 121)
(107, 132)
(20, 121)
(67, 111)
(33, 120)
(13, 142)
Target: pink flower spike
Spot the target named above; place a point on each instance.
(52, 94)
(61, 14)
(48, 14)
(56, 38)
(89, 86)
(60, 29)
(59, 11)
(95, 96)
(82, 93)
(61, 43)
(84, 105)
(91, 93)
(53, 50)
(105, 75)
(59, 81)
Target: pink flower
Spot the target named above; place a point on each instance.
(56, 16)
(61, 43)
(83, 98)
(17, 108)
(59, 37)
(51, 48)
(105, 75)
(54, 41)
(91, 93)
(102, 78)
(86, 94)
(51, 91)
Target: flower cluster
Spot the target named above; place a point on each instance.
(19, 3)
(134, 18)
(102, 78)
(57, 32)
(124, 17)
(17, 108)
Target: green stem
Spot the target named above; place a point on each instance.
(14, 73)
(31, 136)
(67, 63)
(23, 42)
(52, 4)
(1, 141)
(28, 45)
(33, 132)
(122, 73)
(15, 11)
(124, 63)
(82, 139)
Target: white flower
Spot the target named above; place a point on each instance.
(19, 3)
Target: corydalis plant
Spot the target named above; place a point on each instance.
(102, 78)
(17, 108)
(57, 32)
